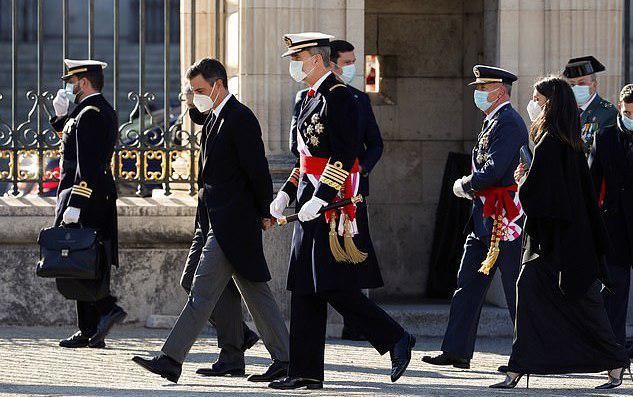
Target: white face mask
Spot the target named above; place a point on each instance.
(204, 103)
(70, 92)
(296, 71)
(348, 73)
(534, 110)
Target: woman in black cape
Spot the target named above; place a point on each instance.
(561, 324)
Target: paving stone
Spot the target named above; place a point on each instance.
(31, 364)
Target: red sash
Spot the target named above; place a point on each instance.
(314, 166)
(498, 198)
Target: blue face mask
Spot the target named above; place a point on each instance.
(348, 73)
(582, 94)
(626, 122)
(481, 99)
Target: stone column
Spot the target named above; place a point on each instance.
(264, 83)
(538, 37)
(203, 38)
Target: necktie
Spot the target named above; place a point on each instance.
(311, 93)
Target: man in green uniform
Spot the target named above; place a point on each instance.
(595, 112)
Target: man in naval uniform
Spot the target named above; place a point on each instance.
(495, 231)
(87, 194)
(596, 114)
(343, 61)
(321, 271)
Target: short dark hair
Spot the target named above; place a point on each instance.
(94, 77)
(338, 46)
(626, 95)
(210, 69)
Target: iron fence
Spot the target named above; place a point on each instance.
(154, 150)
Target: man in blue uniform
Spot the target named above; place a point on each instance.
(321, 271)
(343, 66)
(595, 113)
(611, 166)
(496, 222)
(86, 194)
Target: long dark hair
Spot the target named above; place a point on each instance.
(560, 116)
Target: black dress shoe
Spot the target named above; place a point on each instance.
(503, 369)
(289, 383)
(250, 339)
(401, 355)
(448, 359)
(350, 334)
(75, 341)
(276, 370)
(161, 365)
(222, 369)
(106, 323)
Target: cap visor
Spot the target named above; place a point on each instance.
(290, 52)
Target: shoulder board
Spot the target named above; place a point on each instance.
(337, 85)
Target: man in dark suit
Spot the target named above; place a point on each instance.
(321, 271)
(234, 336)
(497, 220)
(86, 194)
(611, 166)
(234, 195)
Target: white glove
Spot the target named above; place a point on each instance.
(71, 215)
(310, 210)
(279, 204)
(458, 189)
(61, 103)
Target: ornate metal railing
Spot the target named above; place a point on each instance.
(154, 149)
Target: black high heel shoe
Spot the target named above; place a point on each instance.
(510, 382)
(613, 381)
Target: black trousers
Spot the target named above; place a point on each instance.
(308, 325)
(617, 303)
(89, 314)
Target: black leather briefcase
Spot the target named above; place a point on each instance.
(69, 253)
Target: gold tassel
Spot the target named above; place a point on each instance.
(493, 251)
(335, 246)
(355, 255)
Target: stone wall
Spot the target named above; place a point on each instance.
(538, 37)
(428, 49)
(155, 235)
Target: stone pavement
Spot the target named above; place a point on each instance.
(32, 365)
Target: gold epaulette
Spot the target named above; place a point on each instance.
(337, 85)
(294, 177)
(334, 175)
(82, 189)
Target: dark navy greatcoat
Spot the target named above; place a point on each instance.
(371, 140)
(312, 266)
(89, 137)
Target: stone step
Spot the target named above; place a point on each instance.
(425, 320)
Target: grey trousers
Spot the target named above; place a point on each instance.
(213, 274)
(227, 314)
